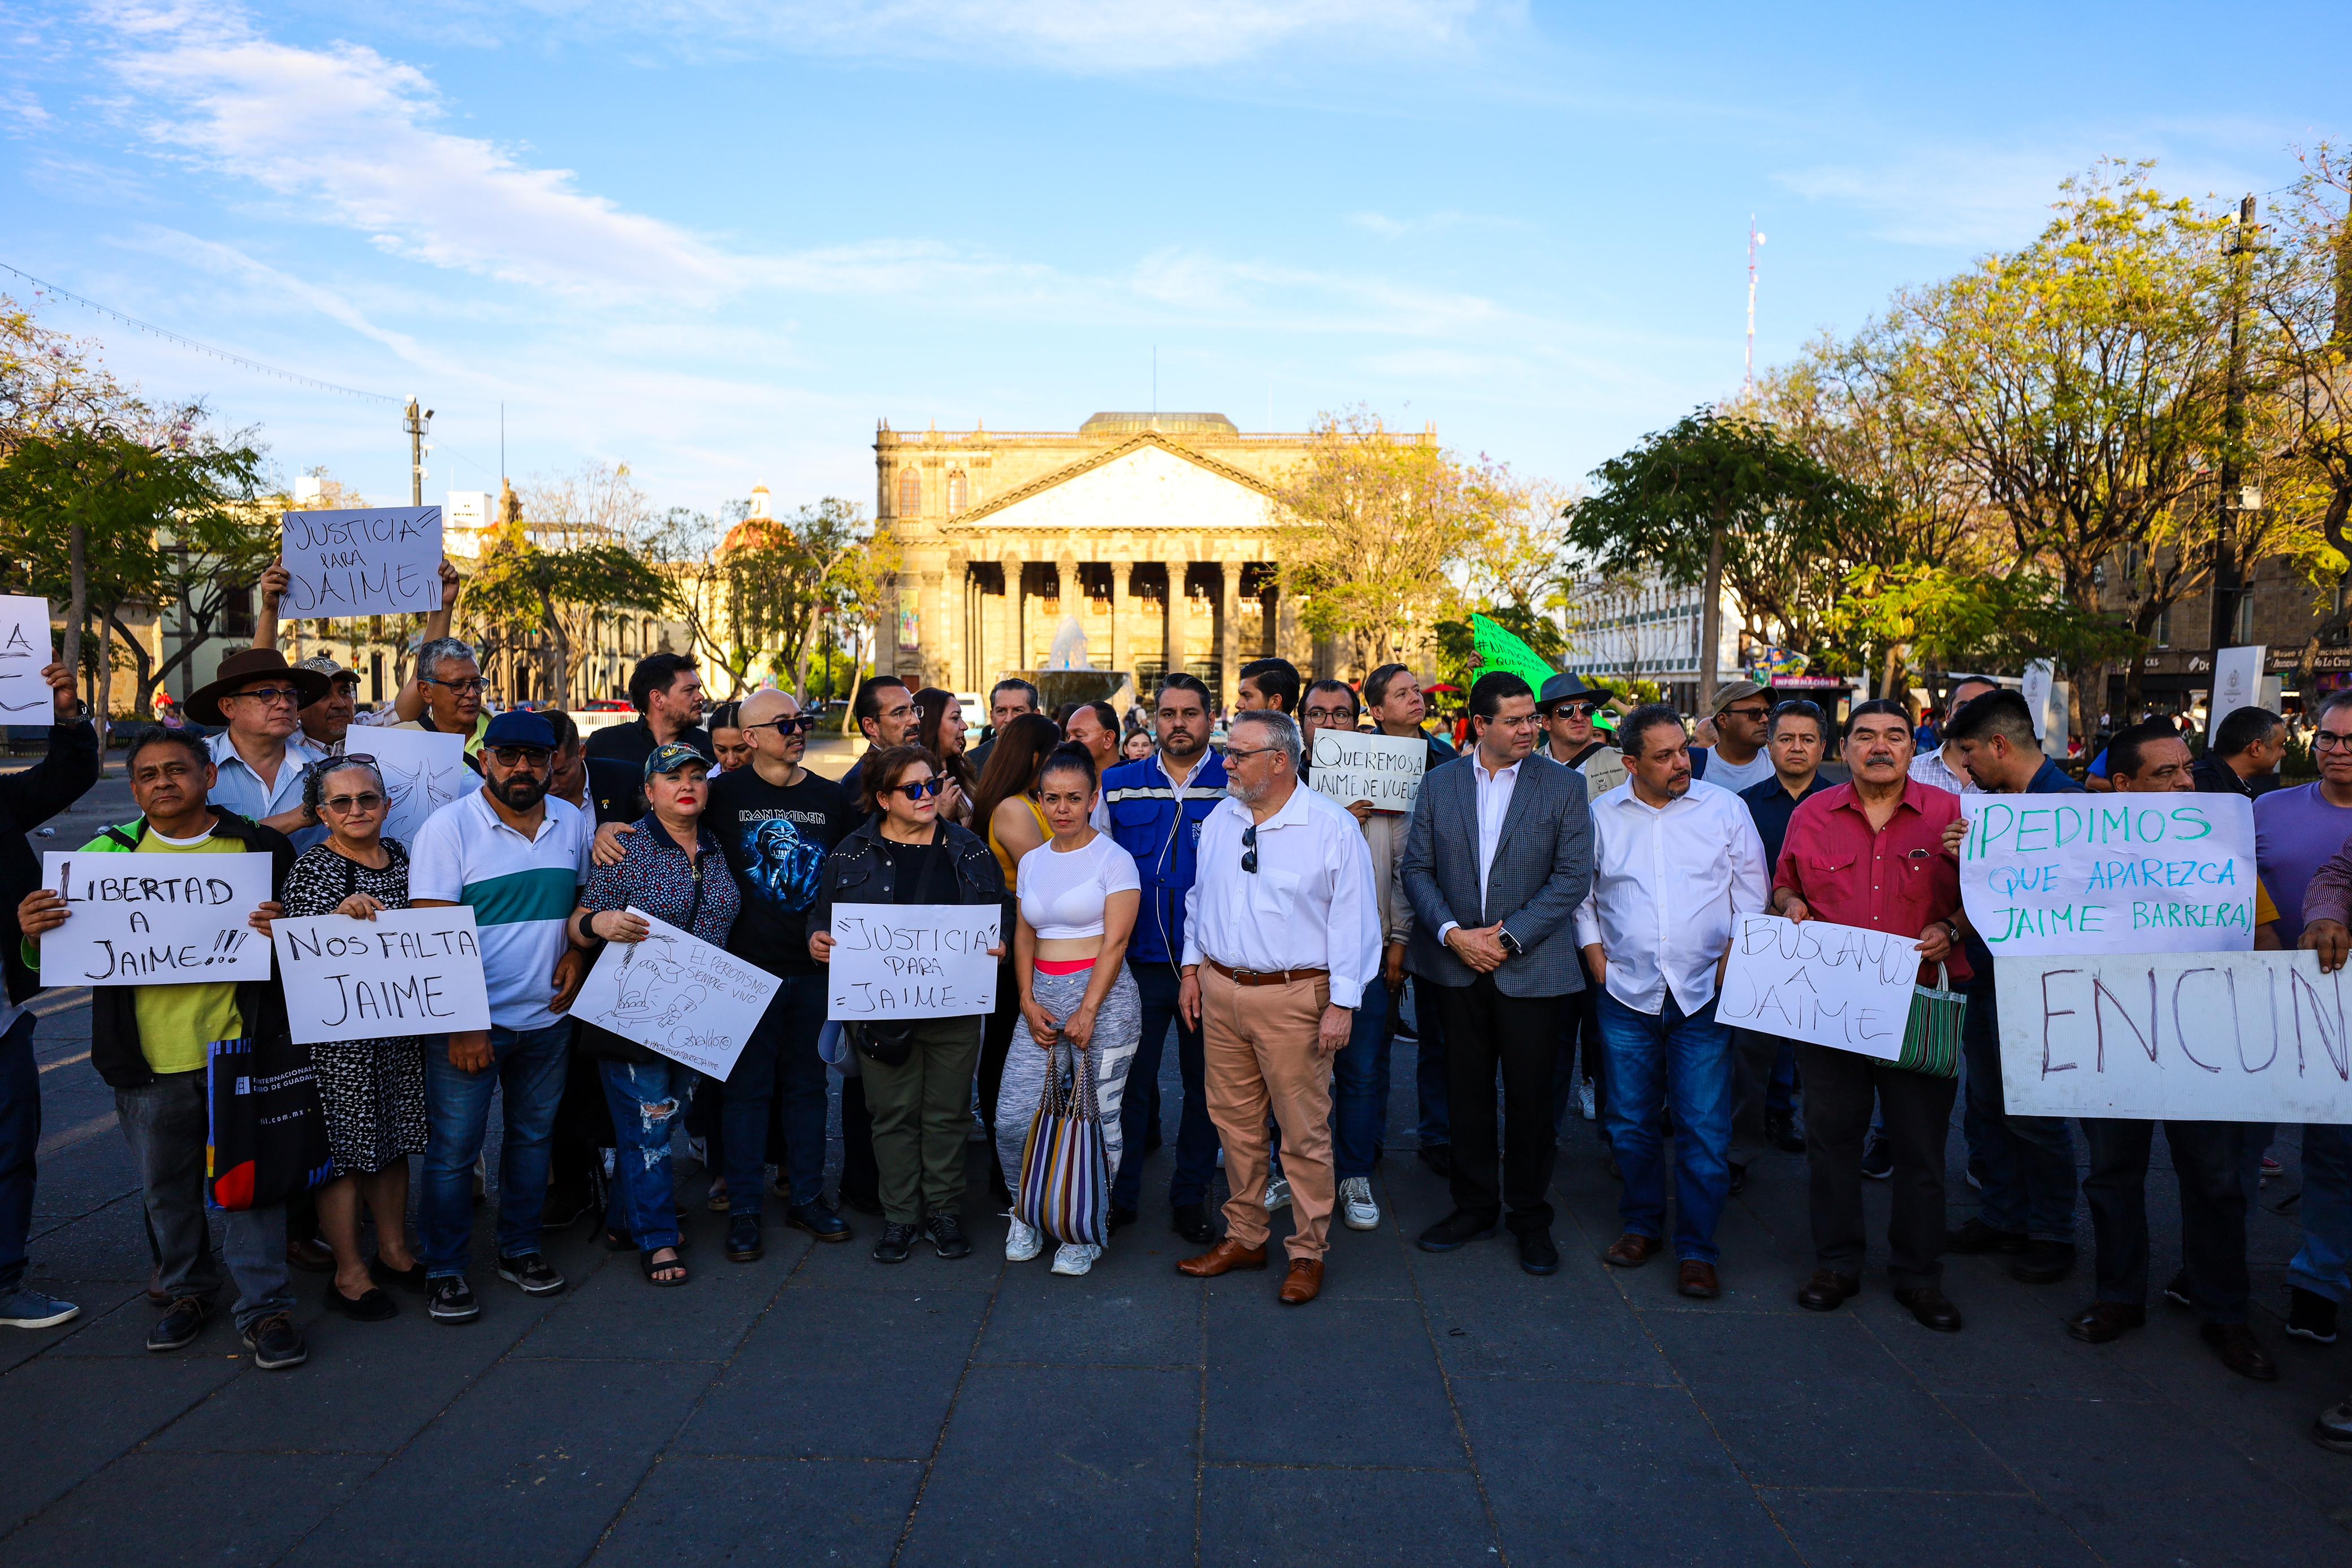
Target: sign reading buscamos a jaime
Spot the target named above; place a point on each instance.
(2122, 873)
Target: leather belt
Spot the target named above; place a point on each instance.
(1266, 976)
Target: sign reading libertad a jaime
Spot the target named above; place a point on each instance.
(2119, 873)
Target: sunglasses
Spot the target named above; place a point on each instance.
(339, 804)
(920, 790)
(1747, 713)
(473, 683)
(1249, 849)
(520, 756)
(798, 725)
(1574, 710)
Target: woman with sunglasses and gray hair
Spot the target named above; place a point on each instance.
(371, 1091)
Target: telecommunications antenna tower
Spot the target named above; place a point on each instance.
(1754, 239)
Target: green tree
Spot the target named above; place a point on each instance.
(560, 590)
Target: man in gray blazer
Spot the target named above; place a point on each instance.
(1499, 858)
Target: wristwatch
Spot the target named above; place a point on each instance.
(1951, 929)
(1510, 943)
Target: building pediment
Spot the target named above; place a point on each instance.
(1144, 477)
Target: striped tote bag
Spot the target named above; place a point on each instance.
(1065, 1171)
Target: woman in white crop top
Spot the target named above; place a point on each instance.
(1079, 895)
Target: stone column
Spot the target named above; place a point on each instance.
(1229, 631)
(1123, 642)
(1173, 643)
(1008, 653)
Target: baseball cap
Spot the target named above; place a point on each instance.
(515, 728)
(671, 756)
(1738, 691)
(321, 665)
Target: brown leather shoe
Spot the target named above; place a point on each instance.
(1630, 1251)
(2103, 1323)
(1697, 1279)
(1304, 1282)
(1828, 1290)
(1223, 1258)
(2240, 1350)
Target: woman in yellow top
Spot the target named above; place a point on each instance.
(1005, 809)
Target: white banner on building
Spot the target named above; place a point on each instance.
(408, 971)
(2109, 874)
(1838, 986)
(377, 560)
(1386, 769)
(679, 995)
(895, 961)
(155, 919)
(2193, 1037)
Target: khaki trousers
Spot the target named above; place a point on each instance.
(1258, 1044)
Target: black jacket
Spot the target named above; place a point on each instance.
(28, 798)
(260, 1003)
(858, 871)
(617, 766)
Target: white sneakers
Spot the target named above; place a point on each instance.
(1278, 1194)
(1075, 1258)
(1585, 1098)
(1357, 1206)
(1022, 1242)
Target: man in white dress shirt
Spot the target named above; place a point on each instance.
(1281, 933)
(1942, 767)
(1673, 862)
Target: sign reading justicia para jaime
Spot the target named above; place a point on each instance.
(375, 560)
(2044, 874)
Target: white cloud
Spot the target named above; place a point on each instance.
(1442, 222)
(351, 135)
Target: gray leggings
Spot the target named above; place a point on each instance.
(1119, 1029)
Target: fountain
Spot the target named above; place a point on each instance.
(1069, 676)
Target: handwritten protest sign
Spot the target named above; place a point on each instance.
(408, 971)
(378, 560)
(156, 920)
(2204, 1037)
(24, 696)
(2110, 874)
(896, 961)
(423, 771)
(1831, 985)
(679, 995)
(1385, 770)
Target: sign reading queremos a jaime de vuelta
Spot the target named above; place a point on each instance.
(2044, 874)
(2192, 1037)
(1386, 769)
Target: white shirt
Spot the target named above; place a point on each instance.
(1929, 767)
(521, 889)
(1066, 893)
(1665, 885)
(1725, 774)
(1494, 792)
(237, 788)
(1310, 904)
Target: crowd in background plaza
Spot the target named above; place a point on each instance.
(1548, 924)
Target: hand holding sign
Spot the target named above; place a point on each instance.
(377, 560)
(911, 961)
(2121, 873)
(397, 972)
(1838, 986)
(1385, 770)
(152, 920)
(679, 995)
(34, 687)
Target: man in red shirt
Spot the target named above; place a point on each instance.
(1869, 853)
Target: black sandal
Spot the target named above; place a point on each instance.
(646, 1262)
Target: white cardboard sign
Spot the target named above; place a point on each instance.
(2071, 875)
(894, 961)
(2237, 683)
(1838, 986)
(679, 995)
(377, 560)
(2193, 1037)
(423, 771)
(408, 971)
(24, 696)
(155, 919)
(1352, 766)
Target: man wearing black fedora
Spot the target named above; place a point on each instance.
(259, 758)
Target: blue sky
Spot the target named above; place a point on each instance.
(718, 240)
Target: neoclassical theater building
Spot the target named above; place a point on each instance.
(1156, 531)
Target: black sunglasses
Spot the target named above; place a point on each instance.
(1249, 849)
(799, 725)
(520, 756)
(920, 790)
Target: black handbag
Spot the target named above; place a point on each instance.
(887, 1043)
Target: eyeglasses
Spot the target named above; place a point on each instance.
(2329, 740)
(520, 756)
(921, 788)
(366, 801)
(1249, 849)
(270, 696)
(1232, 755)
(1332, 714)
(472, 683)
(1746, 713)
(795, 726)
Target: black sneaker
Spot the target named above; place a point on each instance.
(532, 1272)
(947, 1239)
(1877, 1160)
(449, 1299)
(2309, 1315)
(1781, 1132)
(182, 1322)
(276, 1344)
(818, 1221)
(2176, 1289)
(896, 1244)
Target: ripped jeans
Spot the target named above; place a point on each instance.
(648, 1100)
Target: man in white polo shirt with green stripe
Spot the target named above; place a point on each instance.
(516, 856)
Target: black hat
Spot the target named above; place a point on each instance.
(1566, 688)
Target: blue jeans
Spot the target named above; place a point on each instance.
(2322, 1264)
(646, 1098)
(20, 1136)
(1359, 1085)
(779, 1061)
(2029, 1161)
(1436, 1128)
(530, 1065)
(1662, 1058)
(1196, 1135)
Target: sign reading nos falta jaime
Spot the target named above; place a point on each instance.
(2044, 874)
(408, 971)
